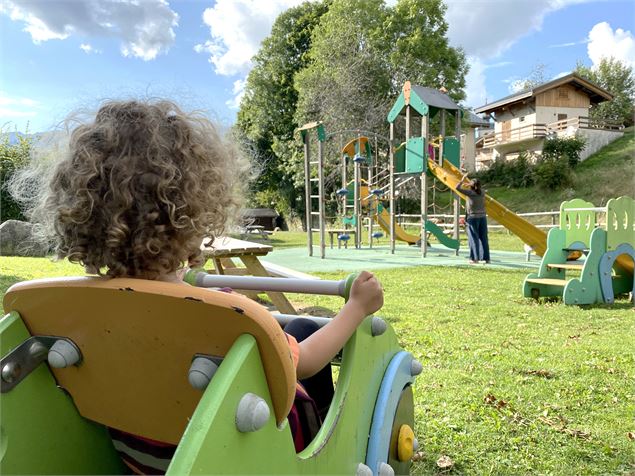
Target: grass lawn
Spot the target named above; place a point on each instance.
(509, 386)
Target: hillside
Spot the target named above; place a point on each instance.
(606, 174)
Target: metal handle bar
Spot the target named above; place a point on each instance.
(283, 285)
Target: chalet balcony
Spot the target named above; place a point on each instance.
(540, 131)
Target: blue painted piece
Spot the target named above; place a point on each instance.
(606, 265)
(397, 376)
(343, 237)
(359, 159)
(378, 192)
(342, 192)
(377, 234)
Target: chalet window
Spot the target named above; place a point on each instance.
(563, 93)
(562, 117)
(521, 119)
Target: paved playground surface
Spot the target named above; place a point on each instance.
(379, 257)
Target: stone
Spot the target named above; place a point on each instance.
(16, 239)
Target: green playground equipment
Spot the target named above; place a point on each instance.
(603, 241)
(207, 371)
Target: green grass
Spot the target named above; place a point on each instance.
(502, 240)
(609, 173)
(509, 386)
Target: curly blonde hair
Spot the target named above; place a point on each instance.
(141, 186)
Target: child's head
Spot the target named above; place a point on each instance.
(141, 186)
(476, 185)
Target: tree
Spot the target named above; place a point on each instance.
(536, 77)
(266, 114)
(617, 78)
(13, 156)
(421, 52)
(346, 84)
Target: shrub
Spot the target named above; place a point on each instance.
(552, 173)
(564, 148)
(509, 173)
(12, 157)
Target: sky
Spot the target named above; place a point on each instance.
(57, 56)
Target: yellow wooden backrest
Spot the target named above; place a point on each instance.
(137, 340)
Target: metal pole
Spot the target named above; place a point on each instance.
(442, 133)
(257, 283)
(307, 187)
(321, 199)
(391, 166)
(455, 196)
(424, 187)
(357, 208)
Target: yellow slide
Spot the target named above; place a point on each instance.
(530, 234)
(400, 234)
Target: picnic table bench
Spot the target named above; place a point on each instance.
(223, 250)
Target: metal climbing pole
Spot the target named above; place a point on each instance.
(455, 196)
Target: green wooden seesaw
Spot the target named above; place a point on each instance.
(205, 370)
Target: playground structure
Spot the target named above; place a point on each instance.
(372, 192)
(117, 357)
(604, 238)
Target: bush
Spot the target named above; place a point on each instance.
(12, 157)
(564, 148)
(509, 173)
(553, 173)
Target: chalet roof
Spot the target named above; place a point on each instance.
(596, 93)
(435, 98)
(474, 120)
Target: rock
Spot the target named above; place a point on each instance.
(16, 239)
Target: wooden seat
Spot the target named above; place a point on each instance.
(549, 281)
(138, 339)
(572, 266)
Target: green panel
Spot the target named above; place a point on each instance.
(400, 158)
(400, 103)
(444, 239)
(555, 254)
(578, 225)
(212, 445)
(418, 104)
(321, 133)
(587, 289)
(452, 151)
(620, 217)
(416, 158)
(41, 431)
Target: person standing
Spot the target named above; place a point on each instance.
(476, 219)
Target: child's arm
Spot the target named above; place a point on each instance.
(317, 350)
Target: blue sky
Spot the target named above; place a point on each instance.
(60, 55)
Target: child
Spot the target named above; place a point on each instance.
(141, 186)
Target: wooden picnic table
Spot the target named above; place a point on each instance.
(222, 252)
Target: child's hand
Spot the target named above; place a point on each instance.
(366, 293)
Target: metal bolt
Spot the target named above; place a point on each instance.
(11, 371)
(378, 326)
(252, 413)
(363, 470)
(415, 367)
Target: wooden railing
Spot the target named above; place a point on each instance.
(584, 122)
(530, 131)
(537, 131)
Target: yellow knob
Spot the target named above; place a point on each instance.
(405, 443)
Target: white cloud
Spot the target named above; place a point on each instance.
(16, 107)
(145, 28)
(237, 27)
(16, 101)
(486, 29)
(604, 42)
(238, 90)
(88, 49)
(561, 74)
